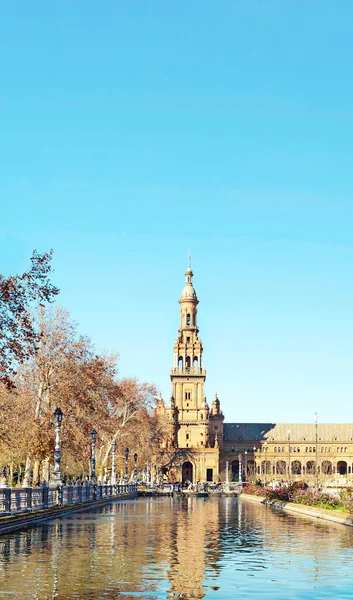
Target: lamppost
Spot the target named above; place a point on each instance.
(245, 466)
(135, 466)
(93, 455)
(316, 464)
(127, 451)
(255, 471)
(113, 478)
(240, 469)
(265, 462)
(56, 475)
(288, 432)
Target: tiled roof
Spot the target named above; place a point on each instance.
(327, 432)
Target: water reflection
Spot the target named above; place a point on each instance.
(178, 548)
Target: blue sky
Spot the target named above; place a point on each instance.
(133, 130)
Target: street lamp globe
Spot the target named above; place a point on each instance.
(58, 416)
(94, 436)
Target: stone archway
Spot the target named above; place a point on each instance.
(187, 472)
(281, 467)
(235, 470)
(296, 467)
(310, 467)
(342, 467)
(326, 467)
(266, 467)
(250, 470)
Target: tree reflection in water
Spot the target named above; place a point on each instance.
(177, 548)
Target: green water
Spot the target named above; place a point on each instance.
(179, 548)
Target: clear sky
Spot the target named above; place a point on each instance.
(133, 130)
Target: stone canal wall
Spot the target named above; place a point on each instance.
(309, 511)
(27, 506)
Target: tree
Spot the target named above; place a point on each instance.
(63, 369)
(18, 293)
(132, 421)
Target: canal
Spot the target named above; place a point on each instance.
(178, 548)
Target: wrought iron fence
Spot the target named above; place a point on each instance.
(22, 500)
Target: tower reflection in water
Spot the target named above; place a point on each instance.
(175, 548)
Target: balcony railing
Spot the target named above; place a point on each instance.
(22, 500)
(188, 371)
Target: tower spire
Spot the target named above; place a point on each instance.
(189, 259)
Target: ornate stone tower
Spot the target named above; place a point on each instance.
(216, 423)
(189, 409)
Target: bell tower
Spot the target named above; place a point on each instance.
(190, 409)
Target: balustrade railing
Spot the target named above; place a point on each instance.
(21, 500)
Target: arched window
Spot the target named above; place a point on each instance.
(187, 436)
(195, 363)
(188, 319)
(180, 363)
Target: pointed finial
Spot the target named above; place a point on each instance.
(189, 259)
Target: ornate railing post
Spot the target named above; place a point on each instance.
(5, 500)
(45, 495)
(29, 498)
(59, 495)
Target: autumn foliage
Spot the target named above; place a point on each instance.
(45, 363)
